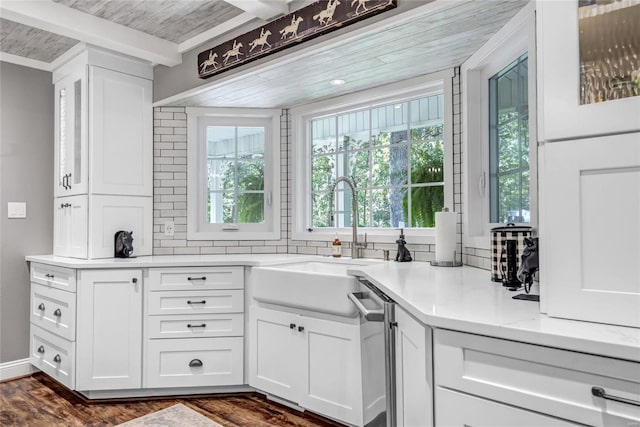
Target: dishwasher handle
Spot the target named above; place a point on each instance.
(371, 315)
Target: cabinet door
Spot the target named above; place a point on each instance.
(558, 32)
(590, 229)
(414, 376)
(71, 135)
(333, 383)
(70, 226)
(275, 362)
(109, 330)
(455, 409)
(120, 135)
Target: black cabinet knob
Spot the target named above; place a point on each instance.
(134, 280)
(300, 328)
(292, 325)
(41, 349)
(57, 358)
(57, 313)
(195, 363)
(41, 306)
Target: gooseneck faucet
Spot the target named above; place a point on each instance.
(357, 247)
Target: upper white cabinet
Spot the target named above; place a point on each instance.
(104, 152)
(587, 68)
(71, 134)
(121, 126)
(591, 228)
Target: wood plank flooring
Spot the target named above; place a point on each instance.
(37, 400)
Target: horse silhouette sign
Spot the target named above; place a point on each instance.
(306, 23)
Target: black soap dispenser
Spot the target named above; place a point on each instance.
(403, 254)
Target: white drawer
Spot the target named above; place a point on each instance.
(55, 277)
(546, 380)
(53, 355)
(54, 310)
(161, 279)
(196, 325)
(195, 362)
(455, 409)
(191, 302)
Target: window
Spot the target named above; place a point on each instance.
(233, 165)
(393, 141)
(395, 154)
(509, 144)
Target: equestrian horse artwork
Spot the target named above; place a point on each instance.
(123, 244)
(313, 20)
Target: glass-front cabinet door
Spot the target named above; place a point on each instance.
(70, 135)
(588, 67)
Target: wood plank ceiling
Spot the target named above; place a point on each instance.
(34, 43)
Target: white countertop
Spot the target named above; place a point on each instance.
(458, 298)
(465, 299)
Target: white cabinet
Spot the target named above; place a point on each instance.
(590, 223)
(310, 361)
(70, 127)
(538, 380)
(120, 133)
(109, 329)
(104, 153)
(561, 114)
(414, 374)
(194, 327)
(70, 225)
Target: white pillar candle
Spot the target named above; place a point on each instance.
(445, 236)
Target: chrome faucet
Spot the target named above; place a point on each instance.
(357, 247)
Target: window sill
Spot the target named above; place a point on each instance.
(233, 235)
(422, 236)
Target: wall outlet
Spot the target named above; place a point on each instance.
(168, 228)
(16, 210)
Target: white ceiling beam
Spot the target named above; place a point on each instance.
(263, 9)
(25, 62)
(216, 31)
(56, 18)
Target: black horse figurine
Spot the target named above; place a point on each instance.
(123, 244)
(528, 262)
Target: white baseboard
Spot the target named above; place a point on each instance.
(15, 368)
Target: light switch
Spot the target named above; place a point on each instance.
(16, 210)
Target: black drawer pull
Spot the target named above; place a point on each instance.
(57, 313)
(197, 302)
(292, 325)
(599, 392)
(300, 328)
(41, 306)
(197, 278)
(41, 349)
(57, 358)
(195, 363)
(49, 276)
(204, 325)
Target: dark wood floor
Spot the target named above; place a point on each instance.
(37, 400)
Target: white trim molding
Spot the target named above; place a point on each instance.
(16, 369)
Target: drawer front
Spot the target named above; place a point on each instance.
(55, 277)
(195, 325)
(53, 355)
(546, 380)
(195, 362)
(462, 410)
(196, 278)
(191, 302)
(54, 310)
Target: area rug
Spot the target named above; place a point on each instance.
(174, 416)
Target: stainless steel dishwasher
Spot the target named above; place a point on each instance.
(375, 306)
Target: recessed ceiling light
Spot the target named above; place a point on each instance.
(337, 82)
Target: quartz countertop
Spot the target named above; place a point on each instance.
(465, 299)
(457, 298)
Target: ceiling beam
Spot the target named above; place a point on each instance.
(263, 9)
(56, 18)
(216, 31)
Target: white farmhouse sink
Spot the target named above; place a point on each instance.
(320, 285)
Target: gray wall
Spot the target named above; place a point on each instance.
(26, 173)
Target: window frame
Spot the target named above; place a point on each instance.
(513, 40)
(198, 118)
(439, 82)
